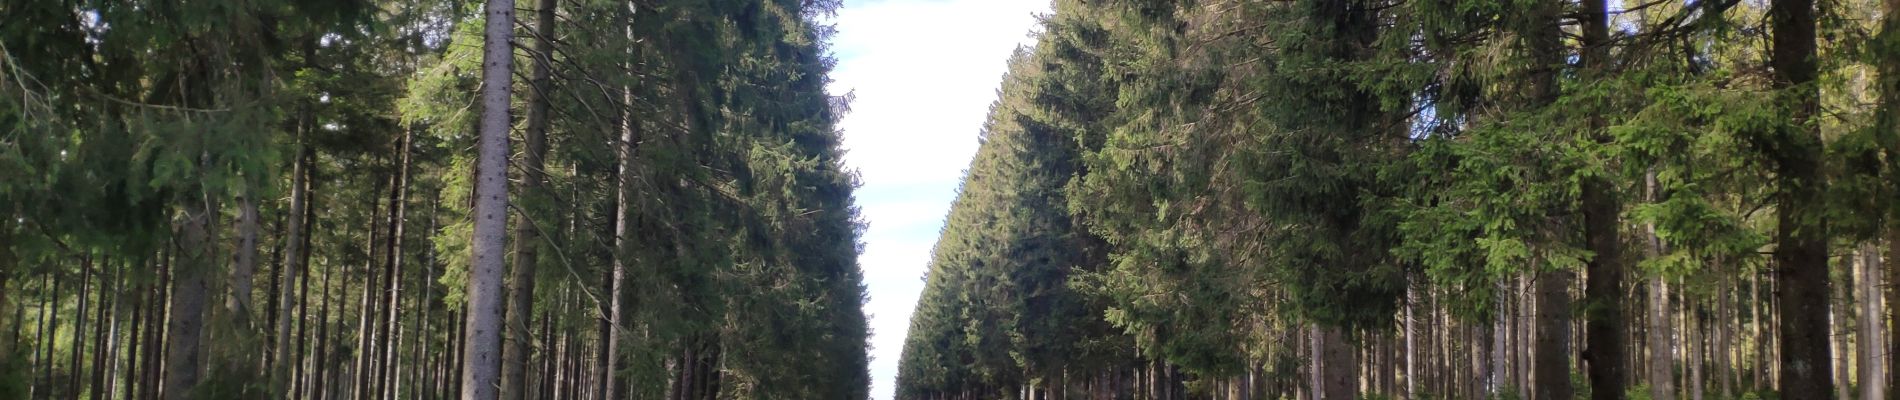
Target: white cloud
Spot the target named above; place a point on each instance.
(924, 72)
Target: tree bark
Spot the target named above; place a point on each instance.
(1840, 312)
(1542, 29)
(1888, 120)
(548, 355)
(1410, 387)
(103, 326)
(8, 267)
(191, 274)
(78, 347)
(1661, 350)
(322, 388)
(1801, 257)
(1870, 340)
(1604, 340)
(481, 372)
(392, 270)
(142, 298)
(1892, 271)
(1724, 357)
(1698, 345)
(1756, 317)
(293, 264)
(155, 336)
(243, 263)
(1339, 380)
(1526, 342)
(302, 289)
(527, 235)
(1552, 368)
(423, 381)
(365, 310)
(625, 151)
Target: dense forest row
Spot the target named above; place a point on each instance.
(424, 199)
(1428, 199)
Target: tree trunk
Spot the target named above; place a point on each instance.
(1526, 343)
(78, 347)
(459, 352)
(1338, 378)
(322, 388)
(49, 309)
(243, 264)
(1756, 317)
(1870, 340)
(365, 310)
(104, 325)
(1892, 268)
(1888, 120)
(1553, 339)
(1698, 346)
(272, 292)
(1723, 357)
(1801, 257)
(1603, 292)
(142, 298)
(1501, 334)
(191, 280)
(515, 356)
(624, 152)
(548, 354)
(426, 359)
(392, 271)
(1661, 350)
(298, 371)
(1840, 312)
(8, 266)
(155, 337)
(293, 264)
(1543, 31)
(481, 372)
(1411, 343)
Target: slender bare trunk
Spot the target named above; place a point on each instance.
(1870, 340)
(78, 346)
(625, 151)
(134, 338)
(366, 309)
(322, 387)
(392, 271)
(302, 324)
(243, 263)
(1839, 312)
(1661, 350)
(155, 335)
(481, 372)
(1698, 345)
(103, 324)
(1410, 388)
(521, 289)
(1725, 326)
(1525, 323)
(8, 267)
(1756, 328)
(293, 265)
(1888, 120)
(1892, 272)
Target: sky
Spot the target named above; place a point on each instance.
(924, 73)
